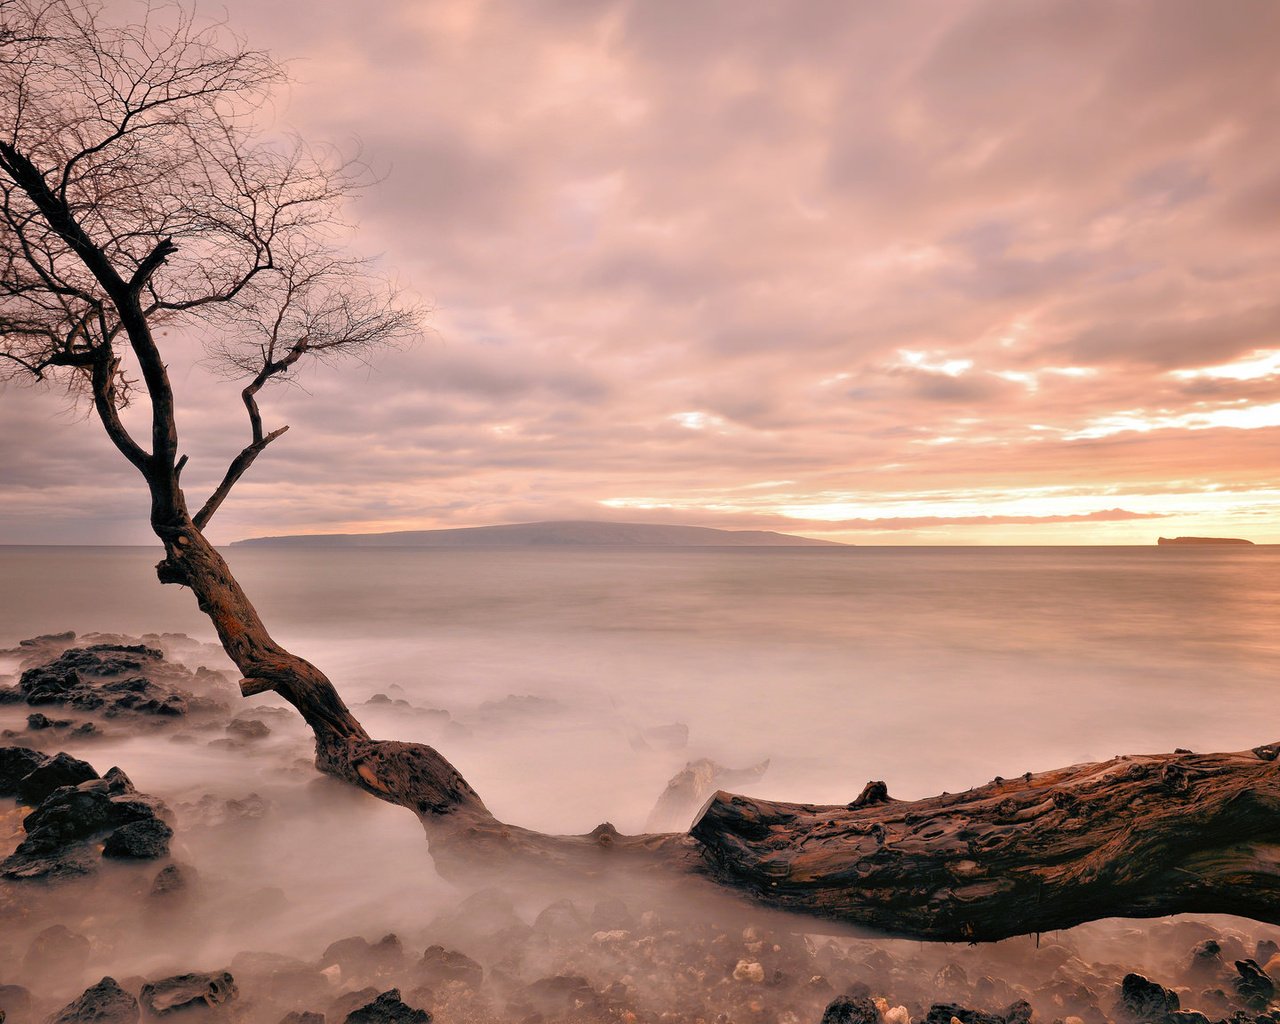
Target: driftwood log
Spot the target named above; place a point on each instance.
(1136, 836)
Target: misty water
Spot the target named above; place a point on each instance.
(930, 668)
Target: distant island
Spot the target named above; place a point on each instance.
(553, 534)
(1203, 540)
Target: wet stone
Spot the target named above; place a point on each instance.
(140, 840)
(1145, 1001)
(60, 770)
(851, 1010)
(388, 1008)
(15, 764)
(103, 1003)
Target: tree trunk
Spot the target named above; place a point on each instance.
(1133, 837)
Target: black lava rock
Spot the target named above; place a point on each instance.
(1254, 987)
(103, 1003)
(1143, 1000)
(60, 770)
(388, 1008)
(852, 1010)
(15, 764)
(140, 840)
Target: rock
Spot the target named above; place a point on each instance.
(1019, 1012)
(851, 1010)
(57, 952)
(349, 1002)
(141, 840)
(560, 921)
(388, 1008)
(283, 979)
(302, 1017)
(1265, 950)
(114, 679)
(945, 1013)
(1145, 1001)
(690, 788)
(38, 720)
(103, 1003)
(56, 866)
(68, 814)
(172, 881)
(748, 970)
(951, 977)
(356, 955)
(482, 914)
(1206, 960)
(16, 1001)
(60, 770)
(248, 729)
(440, 965)
(71, 814)
(187, 990)
(15, 764)
(1253, 986)
(558, 995)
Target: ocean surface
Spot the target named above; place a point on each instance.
(930, 668)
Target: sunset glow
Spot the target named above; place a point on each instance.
(677, 256)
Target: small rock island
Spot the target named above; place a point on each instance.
(1203, 540)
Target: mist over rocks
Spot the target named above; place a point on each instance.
(221, 913)
(73, 807)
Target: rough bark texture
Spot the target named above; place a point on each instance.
(1136, 836)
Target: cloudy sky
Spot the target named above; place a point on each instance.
(887, 273)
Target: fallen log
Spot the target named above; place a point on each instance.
(1136, 836)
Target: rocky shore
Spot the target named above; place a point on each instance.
(123, 903)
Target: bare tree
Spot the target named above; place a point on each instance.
(139, 192)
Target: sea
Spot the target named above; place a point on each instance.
(568, 685)
(931, 668)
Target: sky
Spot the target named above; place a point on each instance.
(910, 273)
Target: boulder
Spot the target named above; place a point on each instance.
(103, 1003)
(38, 720)
(388, 1008)
(440, 965)
(183, 991)
(1254, 987)
(56, 866)
(349, 1002)
(111, 678)
(356, 955)
(945, 1013)
(851, 1010)
(57, 952)
(15, 764)
(691, 787)
(560, 921)
(558, 995)
(60, 770)
(140, 840)
(1145, 1002)
(172, 881)
(248, 729)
